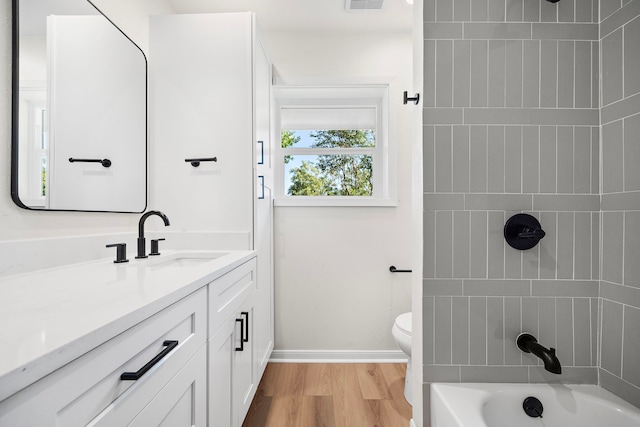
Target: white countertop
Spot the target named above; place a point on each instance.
(50, 317)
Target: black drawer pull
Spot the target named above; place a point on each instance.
(241, 348)
(245, 336)
(134, 376)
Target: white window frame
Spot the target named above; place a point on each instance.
(357, 96)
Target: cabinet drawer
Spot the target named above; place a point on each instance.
(228, 292)
(80, 391)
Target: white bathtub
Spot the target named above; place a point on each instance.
(501, 405)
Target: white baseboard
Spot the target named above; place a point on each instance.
(337, 356)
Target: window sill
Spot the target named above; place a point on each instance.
(315, 201)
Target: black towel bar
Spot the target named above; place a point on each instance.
(393, 269)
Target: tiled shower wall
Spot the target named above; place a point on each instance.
(511, 115)
(620, 286)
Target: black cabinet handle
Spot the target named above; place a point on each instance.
(196, 162)
(245, 338)
(241, 348)
(105, 162)
(261, 161)
(393, 269)
(261, 178)
(134, 376)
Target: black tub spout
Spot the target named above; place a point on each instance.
(529, 344)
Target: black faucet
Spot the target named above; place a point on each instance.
(529, 344)
(142, 246)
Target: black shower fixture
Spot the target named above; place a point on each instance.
(553, 1)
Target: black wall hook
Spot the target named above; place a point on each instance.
(523, 231)
(414, 99)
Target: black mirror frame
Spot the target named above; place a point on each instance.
(15, 89)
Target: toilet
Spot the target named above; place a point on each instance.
(402, 334)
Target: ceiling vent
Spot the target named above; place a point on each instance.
(363, 4)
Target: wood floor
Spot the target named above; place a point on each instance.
(330, 395)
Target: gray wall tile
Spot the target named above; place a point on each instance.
(444, 10)
(462, 73)
(497, 67)
(444, 245)
(478, 162)
(612, 246)
(565, 202)
(583, 74)
(460, 330)
(548, 12)
(624, 108)
(611, 347)
(438, 374)
(515, 10)
(565, 245)
(620, 293)
(548, 246)
(478, 331)
(608, 7)
(548, 159)
(443, 201)
(428, 329)
(548, 73)
(513, 159)
(565, 31)
(439, 30)
(631, 346)
(496, 11)
(582, 333)
(479, 10)
(512, 328)
(622, 388)
(631, 249)
(495, 331)
(504, 202)
(619, 18)
(612, 67)
(583, 246)
(595, 75)
(478, 245)
(441, 287)
(582, 160)
(489, 287)
(583, 11)
(462, 10)
(429, 78)
(612, 157)
(564, 288)
(444, 73)
(531, 11)
(429, 244)
(547, 317)
(443, 159)
(564, 330)
(503, 374)
(479, 58)
(570, 375)
(513, 73)
(595, 160)
(566, 66)
(461, 159)
(632, 57)
(442, 336)
(531, 73)
(461, 234)
(632, 152)
(428, 157)
(566, 11)
(495, 166)
(565, 152)
(495, 245)
(530, 159)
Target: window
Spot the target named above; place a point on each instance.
(334, 148)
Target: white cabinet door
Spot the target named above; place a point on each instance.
(202, 107)
(181, 403)
(264, 333)
(221, 354)
(232, 373)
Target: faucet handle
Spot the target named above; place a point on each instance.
(121, 252)
(154, 246)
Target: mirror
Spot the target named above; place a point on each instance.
(79, 110)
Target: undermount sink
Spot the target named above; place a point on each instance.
(182, 260)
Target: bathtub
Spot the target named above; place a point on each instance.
(501, 405)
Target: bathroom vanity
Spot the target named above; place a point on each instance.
(164, 341)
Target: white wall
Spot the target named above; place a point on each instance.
(334, 290)
(16, 223)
